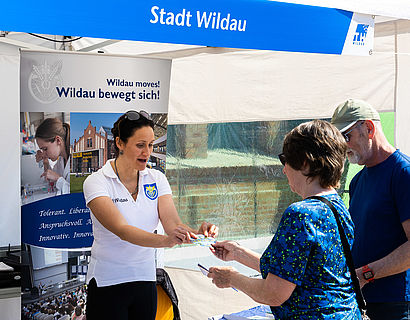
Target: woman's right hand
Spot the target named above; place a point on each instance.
(225, 250)
(178, 236)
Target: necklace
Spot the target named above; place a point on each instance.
(138, 178)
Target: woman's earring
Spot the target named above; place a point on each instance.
(121, 152)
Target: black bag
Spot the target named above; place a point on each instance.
(164, 281)
(349, 259)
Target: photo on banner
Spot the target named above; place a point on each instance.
(45, 162)
(69, 103)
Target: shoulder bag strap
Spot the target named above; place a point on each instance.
(347, 252)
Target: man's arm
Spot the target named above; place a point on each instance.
(395, 262)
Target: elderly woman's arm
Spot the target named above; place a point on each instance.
(231, 250)
(272, 291)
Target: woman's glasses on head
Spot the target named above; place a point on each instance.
(135, 115)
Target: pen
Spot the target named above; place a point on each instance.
(205, 271)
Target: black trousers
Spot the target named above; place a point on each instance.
(124, 301)
(388, 310)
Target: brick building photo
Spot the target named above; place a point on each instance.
(91, 150)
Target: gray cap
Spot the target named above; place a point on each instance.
(351, 111)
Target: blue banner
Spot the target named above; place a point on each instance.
(251, 24)
(61, 222)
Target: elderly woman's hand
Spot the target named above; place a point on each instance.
(208, 229)
(225, 250)
(222, 276)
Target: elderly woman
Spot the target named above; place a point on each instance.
(304, 270)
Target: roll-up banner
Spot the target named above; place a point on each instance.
(83, 95)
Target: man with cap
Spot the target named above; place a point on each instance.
(380, 209)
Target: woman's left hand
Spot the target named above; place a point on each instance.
(208, 229)
(50, 175)
(222, 276)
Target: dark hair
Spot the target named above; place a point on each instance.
(319, 145)
(50, 128)
(78, 311)
(124, 128)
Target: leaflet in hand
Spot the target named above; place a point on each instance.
(203, 241)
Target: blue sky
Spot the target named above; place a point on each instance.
(79, 121)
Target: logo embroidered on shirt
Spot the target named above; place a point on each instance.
(151, 191)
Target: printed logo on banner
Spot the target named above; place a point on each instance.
(43, 80)
(360, 34)
(151, 191)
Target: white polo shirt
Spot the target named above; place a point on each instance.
(113, 260)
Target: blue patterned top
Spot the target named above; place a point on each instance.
(307, 251)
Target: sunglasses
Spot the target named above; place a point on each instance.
(346, 134)
(134, 115)
(282, 158)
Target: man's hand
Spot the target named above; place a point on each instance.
(362, 281)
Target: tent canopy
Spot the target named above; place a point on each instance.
(263, 24)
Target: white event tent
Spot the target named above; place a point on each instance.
(214, 84)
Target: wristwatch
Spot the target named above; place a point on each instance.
(368, 273)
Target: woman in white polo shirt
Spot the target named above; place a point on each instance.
(127, 200)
